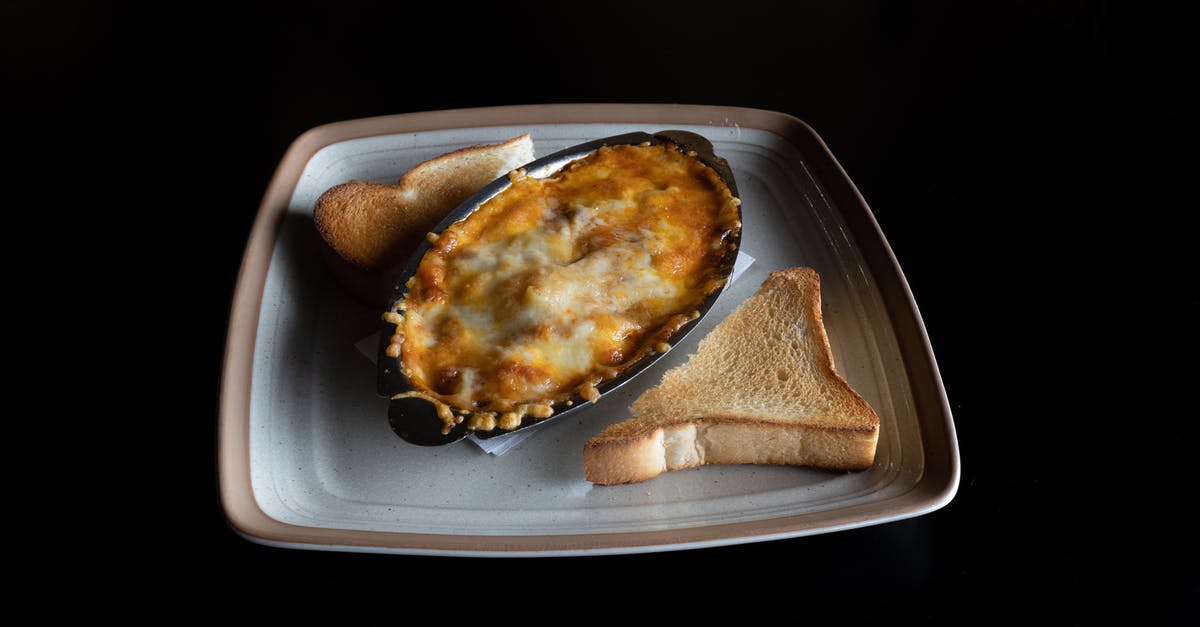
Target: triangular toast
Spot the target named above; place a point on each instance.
(369, 229)
(761, 389)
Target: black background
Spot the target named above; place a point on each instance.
(1030, 163)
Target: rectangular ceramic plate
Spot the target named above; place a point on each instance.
(307, 459)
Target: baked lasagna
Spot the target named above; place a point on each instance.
(558, 284)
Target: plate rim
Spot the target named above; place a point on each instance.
(933, 490)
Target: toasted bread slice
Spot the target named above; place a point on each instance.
(761, 389)
(369, 229)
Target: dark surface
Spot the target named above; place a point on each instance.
(1030, 164)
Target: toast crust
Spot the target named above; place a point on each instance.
(369, 229)
(761, 389)
(725, 440)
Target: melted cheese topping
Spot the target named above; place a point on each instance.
(556, 285)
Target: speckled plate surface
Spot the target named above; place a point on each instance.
(306, 455)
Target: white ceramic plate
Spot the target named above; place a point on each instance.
(306, 457)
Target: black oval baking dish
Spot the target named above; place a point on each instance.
(416, 419)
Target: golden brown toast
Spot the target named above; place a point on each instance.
(369, 229)
(761, 389)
